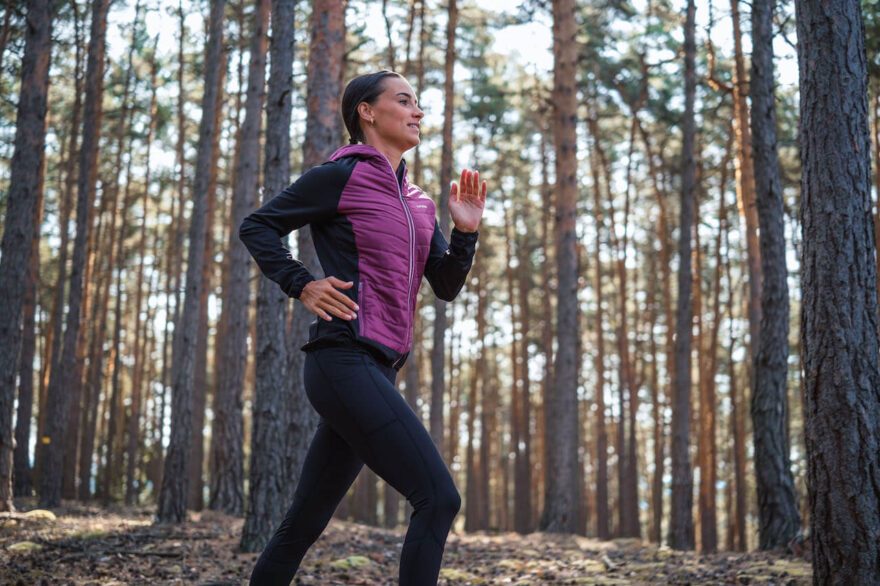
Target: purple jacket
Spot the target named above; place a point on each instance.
(371, 227)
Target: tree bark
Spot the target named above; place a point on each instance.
(268, 475)
(60, 381)
(745, 178)
(21, 208)
(140, 342)
(681, 526)
(53, 341)
(603, 529)
(438, 350)
(227, 441)
(121, 132)
(839, 315)
(562, 501)
(22, 481)
(323, 133)
(523, 472)
(778, 520)
(547, 212)
(173, 494)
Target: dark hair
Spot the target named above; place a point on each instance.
(363, 88)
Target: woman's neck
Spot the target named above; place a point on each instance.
(392, 154)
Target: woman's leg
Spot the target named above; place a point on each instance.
(357, 398)
(328, 471)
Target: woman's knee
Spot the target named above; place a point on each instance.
(447, 499)
(441, 496)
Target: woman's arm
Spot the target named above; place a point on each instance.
(448, 264)
(312, 198)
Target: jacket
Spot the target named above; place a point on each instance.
(372, 227)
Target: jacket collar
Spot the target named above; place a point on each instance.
(365, 151)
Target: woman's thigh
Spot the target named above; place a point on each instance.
(351, 392)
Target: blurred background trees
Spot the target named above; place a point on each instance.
(141, 325)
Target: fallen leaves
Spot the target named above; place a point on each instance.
(87, 545)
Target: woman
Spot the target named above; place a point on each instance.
(376, 236)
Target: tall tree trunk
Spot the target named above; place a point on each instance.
(173, 259)
(227, 441)
(390, 49)
(655, 533)
(627, 456)
(121, 132)
(778, 519)
(658, 436)
(202, 384)
(488, 423)
(323, 93)
(58, 393)
(22, 481)
(547, 212)
(562, 501)
(477, 380)
(839, 315)
(85, 424)
(681, 525)
(438, 350)
(173, 495)
(518, 371)
(523, 472)
(133, 427)
(602, 517)
(420, 83)
(53, 342)
(704, 517)
(737, 429)
(268, 475)
(22, 202)
(745, 177)
(99, 368)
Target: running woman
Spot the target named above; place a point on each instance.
(376, 236)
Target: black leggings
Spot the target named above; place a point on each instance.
(363, 420)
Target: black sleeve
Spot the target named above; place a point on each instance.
(312, 198)
(448, 264)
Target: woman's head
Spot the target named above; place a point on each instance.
(385, 102)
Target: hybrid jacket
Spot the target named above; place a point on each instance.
(372, 227)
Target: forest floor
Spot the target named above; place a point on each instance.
(92, 546)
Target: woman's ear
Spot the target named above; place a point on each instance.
(365, 112)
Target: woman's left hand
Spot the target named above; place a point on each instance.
(466, 201)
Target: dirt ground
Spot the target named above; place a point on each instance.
(92, 546)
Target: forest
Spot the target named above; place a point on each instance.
(669, 336)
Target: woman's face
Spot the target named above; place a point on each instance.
(395, 114)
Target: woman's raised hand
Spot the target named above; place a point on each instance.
(466, 201)
(324, 298)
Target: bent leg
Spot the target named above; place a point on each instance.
(329, 469)
(384, 432)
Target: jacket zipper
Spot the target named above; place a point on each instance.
(412, 252)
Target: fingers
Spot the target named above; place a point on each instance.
(323, 298)
(339, 283)
(469, 186)
(453, 192)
